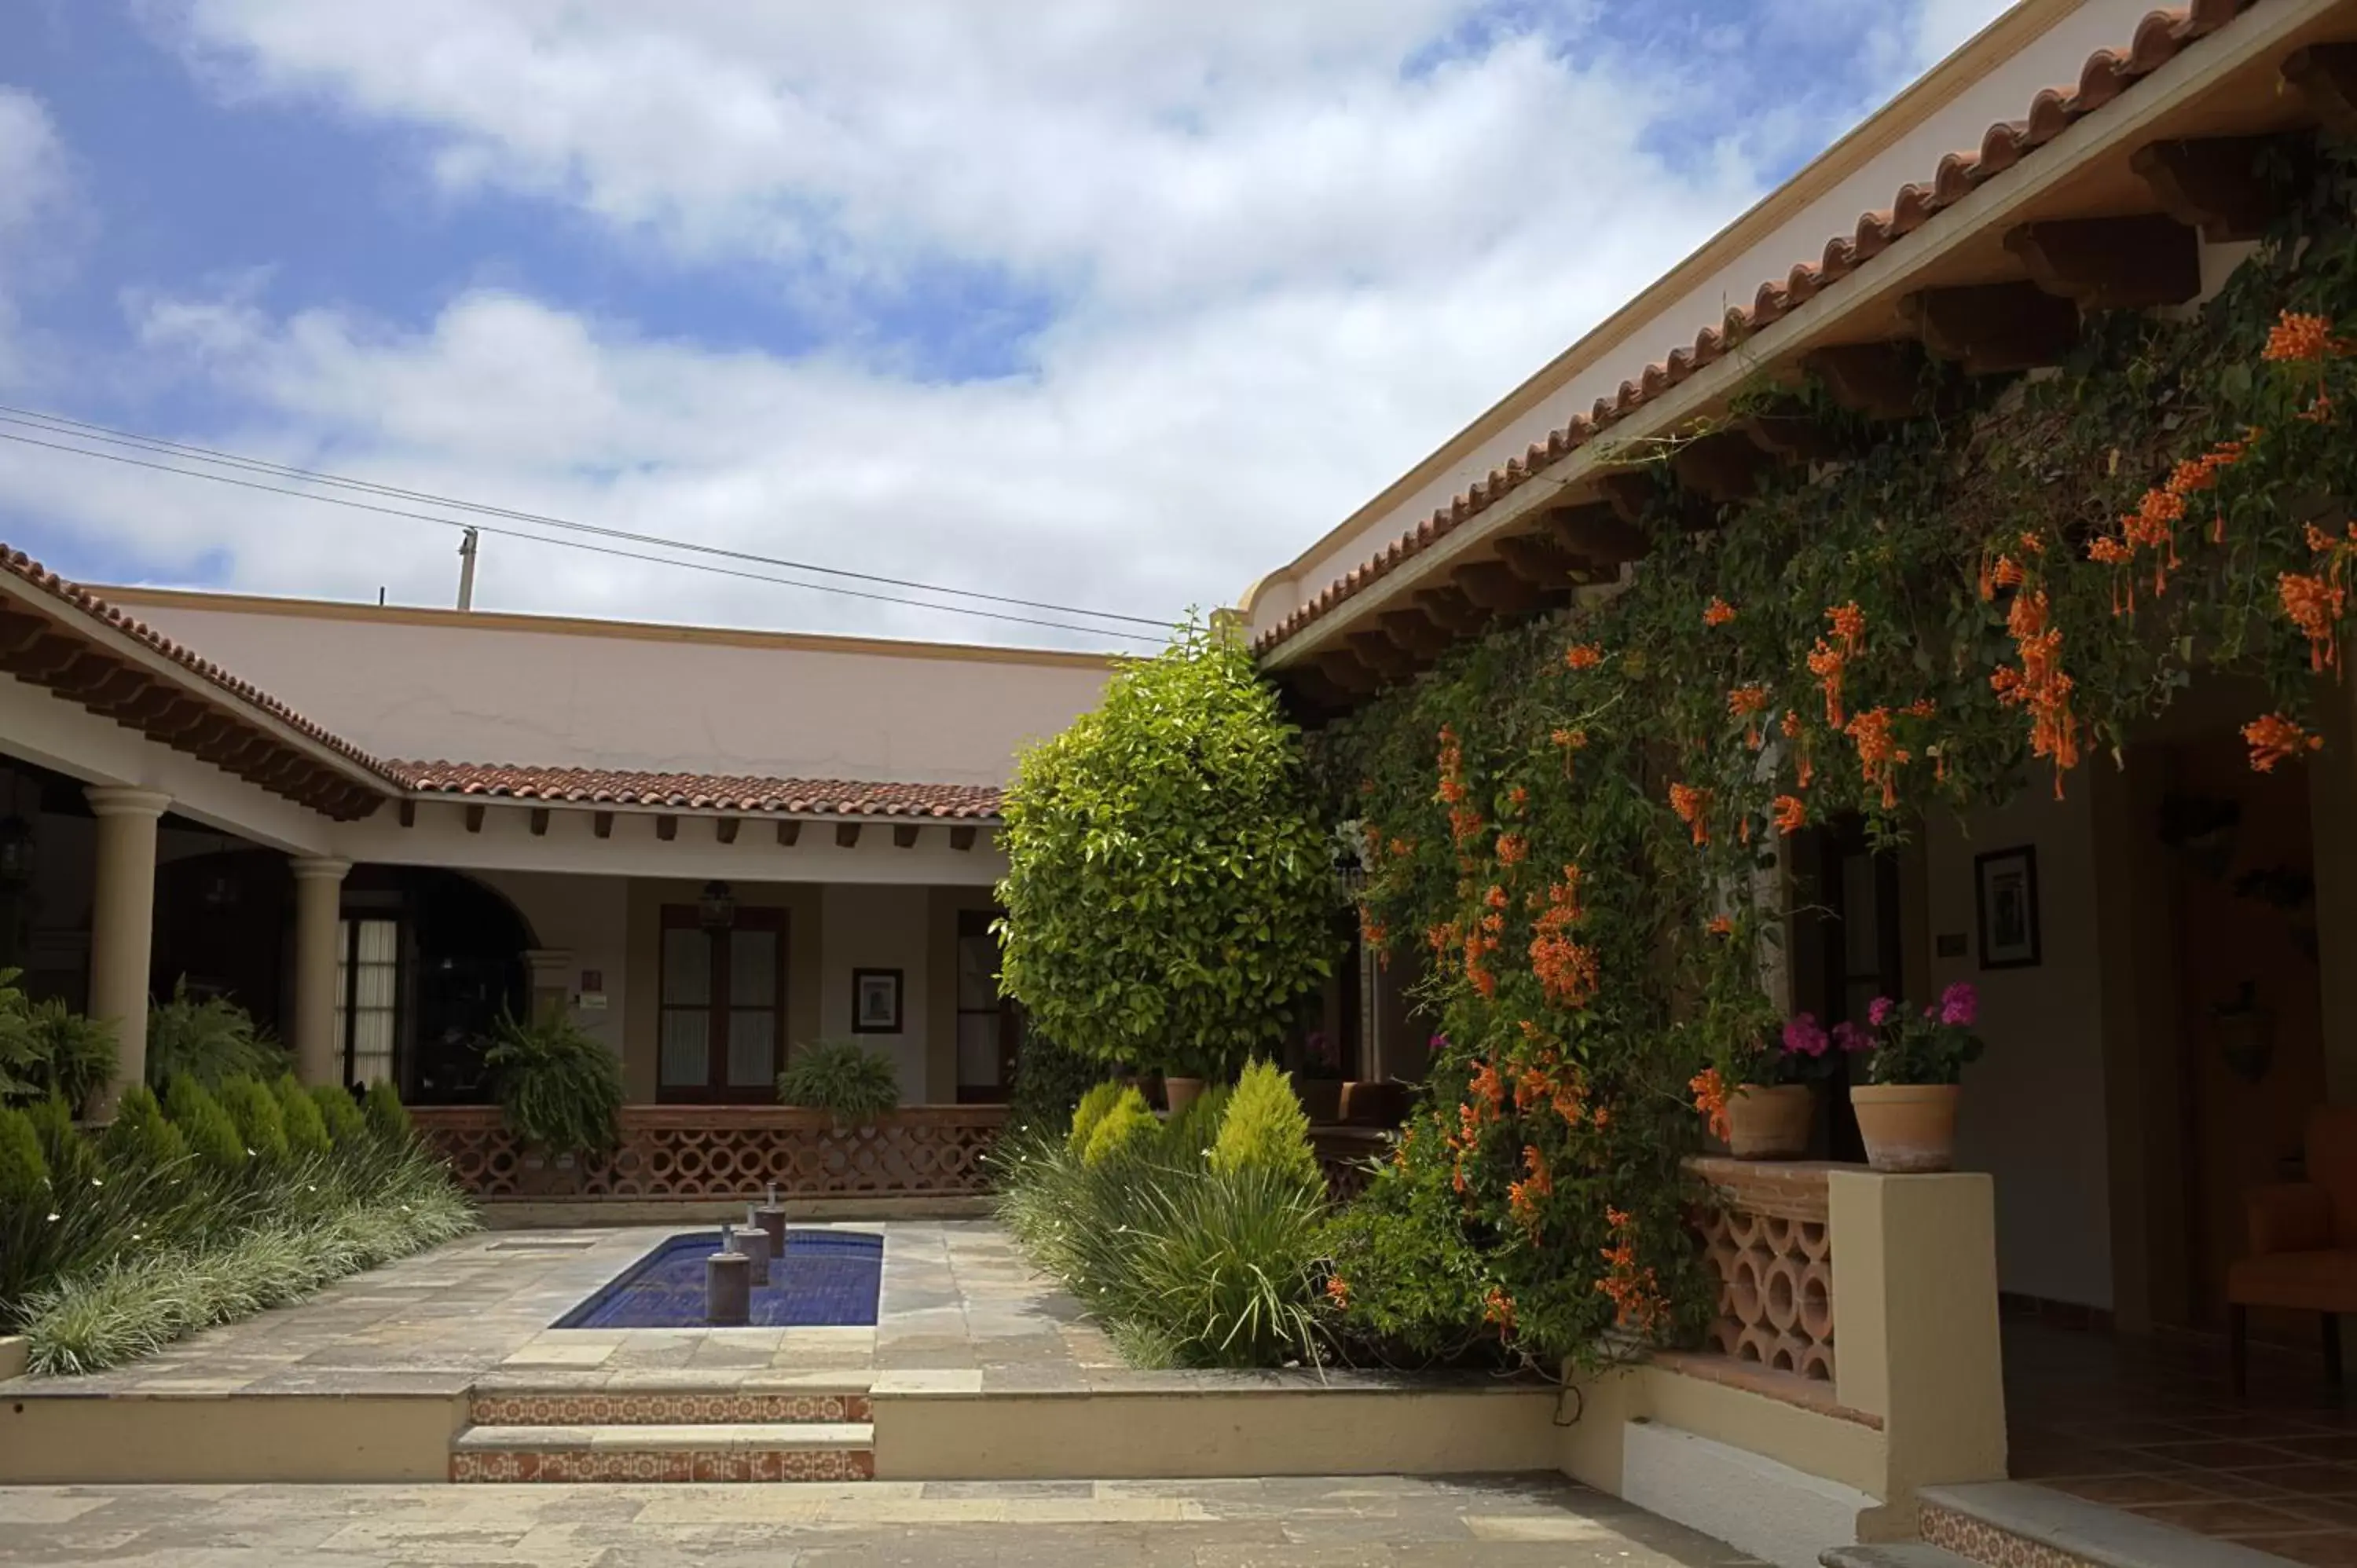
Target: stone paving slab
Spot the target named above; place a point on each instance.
(1306, 1523)
(960, 1311)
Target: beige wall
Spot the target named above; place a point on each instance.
(587, 918)
(2034, 1109)
(488, 688)
(879, 928)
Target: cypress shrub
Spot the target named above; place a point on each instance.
(255, 1111)
(1187, 1138)
(340, 1113)
(211, 1135)
(1130, 1122)
(1265, 1128)
(141, 1138)
(387, 1117)
(1090, 1110)
(306, 1130)
(73, 1159)
(24, 1174)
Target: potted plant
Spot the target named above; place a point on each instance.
(845, 1079)
(1907, 1114)
(561, 1090)
(1772, 1108)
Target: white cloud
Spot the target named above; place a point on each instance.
(1291, 252)
(35, 187)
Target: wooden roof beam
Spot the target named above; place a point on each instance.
(1723, 467)
(2111, 263)
(1496, 587)
(1996, 327)
(2325, 77)
(1874, 380)
(1598, 533)
(1417, 634)
(1450, 608)
(1379, 653)
(2220, 185)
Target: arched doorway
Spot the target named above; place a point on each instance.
(427, 959)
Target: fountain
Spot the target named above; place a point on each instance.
(727, 1284)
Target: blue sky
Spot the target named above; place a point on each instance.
(1111, 305)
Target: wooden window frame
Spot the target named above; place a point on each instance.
(716, 1089)
(351, 918)
(1008, 1012)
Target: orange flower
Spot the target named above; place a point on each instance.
(2107, 550)
(1691, 805)
(1583, 656)
(1922, 708)
(1789, 725)
(2301, 339)
(1849, 625)
(1337, 1290)
(2315, 605)
(1633, 1290)
(1790, 813)
(1522, 1197)
(1826, 662)
(1498, 1307)
(1720, 926)
(1710, 1099)
(1879, 758)
(1512, 849)
(1718, 612)
(2032, 544)
(1747, 703)
(1567, 971)
(2039, 685)
(2274, 737)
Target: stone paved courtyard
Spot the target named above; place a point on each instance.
(1382, 1522)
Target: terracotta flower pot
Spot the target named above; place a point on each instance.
(1177, 1093)
(1771, 1121)
(1908, 1127)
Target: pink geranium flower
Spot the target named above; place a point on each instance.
(1880, 1011)
(1803, 1036)
(1960, 1004)
(1853, 1039)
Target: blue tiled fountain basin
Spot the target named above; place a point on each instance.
(826, 1278)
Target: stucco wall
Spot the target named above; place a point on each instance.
(589, 919)
(2034, 1112)
(432, 684)
(880, 928)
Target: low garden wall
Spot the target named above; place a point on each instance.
(729, 1151)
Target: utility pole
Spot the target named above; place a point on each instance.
(467, 571)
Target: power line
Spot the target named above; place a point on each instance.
(579, 544)
(61, 425)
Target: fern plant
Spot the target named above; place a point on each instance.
(47, 1049)
(560, 1087)
(842, 1077)
(212, 1039)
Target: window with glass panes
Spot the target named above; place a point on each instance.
(989, 1024)
(721, 1005)
(368, 986)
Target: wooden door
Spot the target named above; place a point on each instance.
(721, 1034)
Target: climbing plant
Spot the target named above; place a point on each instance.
(1571, 817)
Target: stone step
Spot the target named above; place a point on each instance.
(749, 1451)
(2001, 1524)
(667, 1407)
(1894, 1555)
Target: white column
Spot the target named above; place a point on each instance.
(123, 926)
(318, 907)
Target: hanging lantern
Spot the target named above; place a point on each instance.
(717, 907)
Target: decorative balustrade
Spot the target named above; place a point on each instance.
(1769, 1239)
(1344, 1154)
(729, 1151)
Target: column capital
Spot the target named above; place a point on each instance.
(126, 801)
(317, 868)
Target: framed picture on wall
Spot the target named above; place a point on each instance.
(875, 1001)
(2006, 890)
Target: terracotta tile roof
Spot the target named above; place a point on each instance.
(702, 791)
(2106, 74)
(76, 598)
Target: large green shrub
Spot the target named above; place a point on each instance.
(560, 1087)
(254, 1110)
(842, 1077)
(1168, 891)
(24, 1174)
(73, 1160)
(1048, 1083)
(211, 1132)
(1189, 1136)
(211, 1039)
(1265, 1129)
